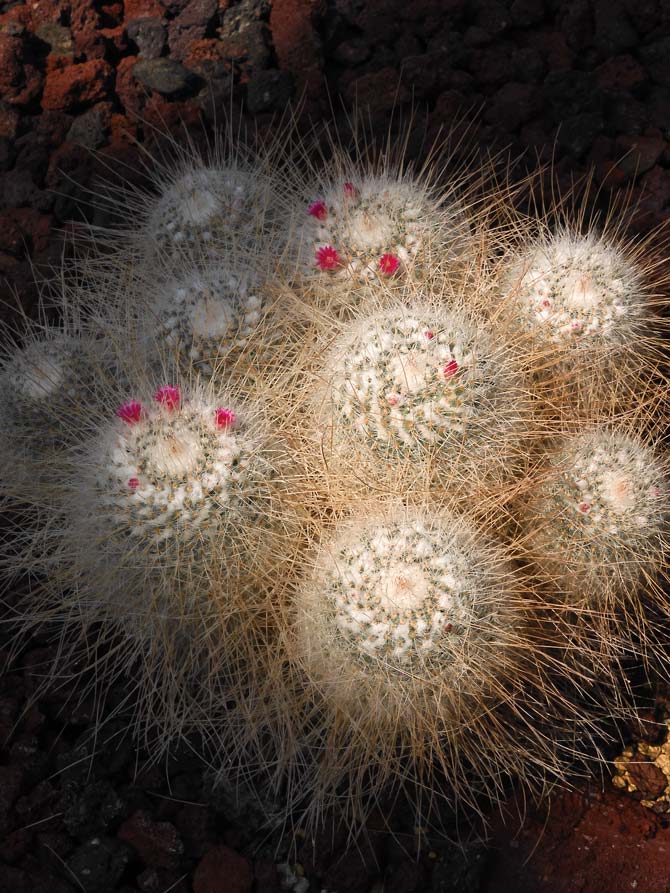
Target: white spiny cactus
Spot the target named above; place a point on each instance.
(416, 636)
(332, 337)
(601, 516)
(420, 382)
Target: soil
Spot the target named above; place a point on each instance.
(584, 84)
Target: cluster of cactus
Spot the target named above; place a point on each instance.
(357, 470)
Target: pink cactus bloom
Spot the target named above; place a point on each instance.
(225, 418)
(428, 335)
(451, 368)
(388, 264)
(318, 210)
(349, 190)
(133, 483)
(584, 507)
(169, 396)
(327, 258)
(130, 412)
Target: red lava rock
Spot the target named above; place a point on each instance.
(222, 870)
(513, 105)
(122, 131)
(14, 22)
(205, 58)
(9, 121)
(642, 153)
(607, 844)
(296, 41)
(85, 25)
(620, 73)
(132, 95)
(20, 226)
(76, 85)
(19, 82)
(169, 116)
(654, 204)
(553, 48)
(191, 24)
(11, 236)
(157, 843)
(380, 90)
(47, 11)
(143, 9)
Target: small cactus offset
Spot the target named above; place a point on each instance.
(597, 531)
(48, 392)
(588, 305)
(351, 471)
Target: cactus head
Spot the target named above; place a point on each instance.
(205, 319)
(48, 388)
(425, 383)
(376, 228)
(204, 206)
(414, 636)
(578, 293)
(185, 469)
(601, 516)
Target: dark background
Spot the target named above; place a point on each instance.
(585, 83)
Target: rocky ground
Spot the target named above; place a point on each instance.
(585, 82)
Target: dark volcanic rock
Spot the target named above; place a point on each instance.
(165, 76)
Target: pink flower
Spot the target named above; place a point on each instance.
(429, 335)
(169, 396)
(450, 369)
(349, 190)
(584, 507)
(388, 264)
(225, 418)
(318, 210)
(130, 412)
(133, 483)
(327, 258)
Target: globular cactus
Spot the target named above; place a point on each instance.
(174, 518)
(288, 344)
(48, 390)
(421, 384)
(416, 637)
(363, 226)
(603, 509)
(597, 527)
(214, 320)
(588, 309)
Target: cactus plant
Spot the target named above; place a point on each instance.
(416, 637)
(283, 355)
(414, 382)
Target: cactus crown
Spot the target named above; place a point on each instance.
(372, 227)
(174, 468)
(407, 380)
(611, 492)
(407, 595)
(206, 315)
(577, 292)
